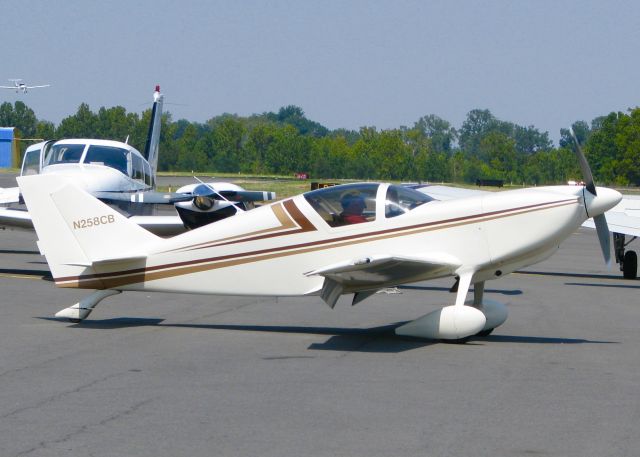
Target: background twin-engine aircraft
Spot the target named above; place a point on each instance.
(351, 239)
(118, 174)
(22, 87)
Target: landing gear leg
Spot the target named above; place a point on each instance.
(628, 260)
(478, 294)
(83, 308)
(495, 312)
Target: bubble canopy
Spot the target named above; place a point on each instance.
(358, 203)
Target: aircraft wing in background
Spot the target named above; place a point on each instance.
(623, 218)
(443, 193)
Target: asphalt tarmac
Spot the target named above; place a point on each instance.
(186, 375)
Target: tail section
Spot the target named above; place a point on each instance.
(76, 231)
(153, 137)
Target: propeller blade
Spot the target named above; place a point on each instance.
(603, 236)
(584, 166)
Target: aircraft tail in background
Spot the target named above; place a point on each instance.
(153, 137)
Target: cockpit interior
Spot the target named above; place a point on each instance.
(357, 203)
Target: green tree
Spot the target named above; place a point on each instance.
(83, 124)
(190, 156)
(45, 130)
(226, 143)
(501, 152)
(19, 116)
(439, 131)
(115, 124)
(294, 116)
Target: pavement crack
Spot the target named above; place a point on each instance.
(59, 396)
(86, 427)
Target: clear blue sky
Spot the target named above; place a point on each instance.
(346, 63)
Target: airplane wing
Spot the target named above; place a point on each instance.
(623, 218)
(166, 198)
(443, 193)
(9, 195)
(36, 87)
(151, 197)
(17, 218)
(8, 87)
(367, 275)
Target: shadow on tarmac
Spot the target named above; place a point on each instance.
(42, 274)
(568, 275)
(587, 284)
(18, 251)
(381, 339)
(447, 289)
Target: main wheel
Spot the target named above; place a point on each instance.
(630, 265)
(486, 332)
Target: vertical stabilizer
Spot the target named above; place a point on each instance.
(153, 137)
(77, 231)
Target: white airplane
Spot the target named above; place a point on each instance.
(349, 239)
(117, 173)
(18, 86)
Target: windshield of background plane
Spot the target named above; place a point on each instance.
(109, 156)
(65, 153)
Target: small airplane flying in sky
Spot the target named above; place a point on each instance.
(117, 173)
(19, 86)
(350, 239)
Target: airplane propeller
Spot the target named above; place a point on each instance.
(602, 228)
(204, 196)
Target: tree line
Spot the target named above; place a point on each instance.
(432, 150)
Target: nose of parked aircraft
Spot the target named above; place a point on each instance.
(604, 200)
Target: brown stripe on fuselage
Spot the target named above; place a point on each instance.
(287, 223)
(120, 278)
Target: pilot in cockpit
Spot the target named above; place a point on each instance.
(353, 206)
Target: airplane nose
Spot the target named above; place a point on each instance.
(604, 201)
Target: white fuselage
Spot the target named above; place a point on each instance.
(267, 251)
